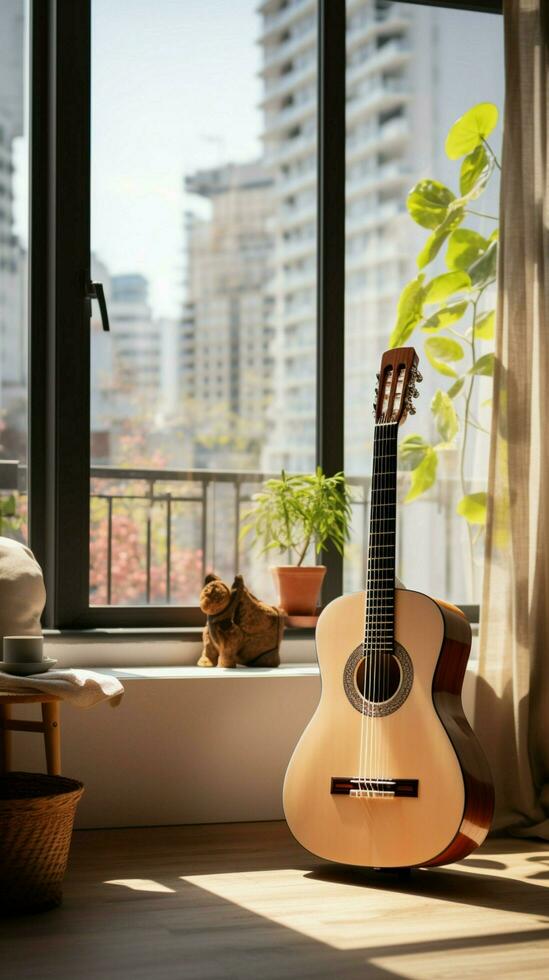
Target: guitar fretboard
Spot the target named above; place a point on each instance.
(380, 585)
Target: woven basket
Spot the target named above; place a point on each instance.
(36, 818)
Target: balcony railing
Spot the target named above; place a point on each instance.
(156, 532)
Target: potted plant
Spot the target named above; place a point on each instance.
(291, 515)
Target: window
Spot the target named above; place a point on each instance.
(193, 198)
(190, 205)
(417, 78)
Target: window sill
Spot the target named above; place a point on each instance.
(212, 673)
(184, 634)
(153, 648)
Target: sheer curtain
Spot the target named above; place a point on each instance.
(512, 704)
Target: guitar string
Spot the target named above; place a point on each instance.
(380, 528)
(384, 642)
(378, 591)
(376, 604)
(365, 726)
(382, 598)
(373, 602)
(382, 609)
(369, 661)
(388, 634)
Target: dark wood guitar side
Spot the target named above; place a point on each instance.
(447, 684)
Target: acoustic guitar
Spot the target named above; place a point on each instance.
(388, 773)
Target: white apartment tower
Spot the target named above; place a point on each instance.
(226, 367)
(405, 86)
(132, 366)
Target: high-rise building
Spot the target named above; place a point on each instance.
(13, 303)
(133, 368)
(405, 87)
(136, 335)
(225, 342)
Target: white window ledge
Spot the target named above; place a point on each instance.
(209, 673)
(120, 651)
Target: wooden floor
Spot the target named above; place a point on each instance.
(245, 901)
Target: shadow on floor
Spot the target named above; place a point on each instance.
(187, 932)
(450, 885)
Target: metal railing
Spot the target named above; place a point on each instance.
(203, 508)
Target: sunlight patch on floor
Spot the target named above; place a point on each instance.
(480, 959)
(355, 916)
(141, 885)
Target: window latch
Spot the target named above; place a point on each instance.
(95, 290)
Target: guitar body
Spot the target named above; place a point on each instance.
(419, 733)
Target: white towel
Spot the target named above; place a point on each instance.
(84, 688)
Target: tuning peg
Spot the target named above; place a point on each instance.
(377, 376)
(411, 409)
(415, 393)
(419, 378)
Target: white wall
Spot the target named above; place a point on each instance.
(179, 749)
(186, 745)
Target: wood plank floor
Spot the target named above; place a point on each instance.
(245, 901)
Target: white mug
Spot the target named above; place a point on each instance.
(23, 649)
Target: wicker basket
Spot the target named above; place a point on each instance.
(36, 818)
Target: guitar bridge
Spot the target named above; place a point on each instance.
(364, 788)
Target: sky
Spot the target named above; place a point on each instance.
(174, 88)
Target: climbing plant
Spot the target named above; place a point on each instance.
(449, 310)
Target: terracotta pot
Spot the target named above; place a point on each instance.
(299, 588)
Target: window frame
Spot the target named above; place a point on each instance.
(59, 310)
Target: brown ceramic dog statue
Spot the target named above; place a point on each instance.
(240, 629)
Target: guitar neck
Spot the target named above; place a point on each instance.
(380, 586)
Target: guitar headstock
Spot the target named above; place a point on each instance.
(396, 387)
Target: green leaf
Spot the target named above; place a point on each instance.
(484, 326)
(445, 316)
(409, 313)
(445, 415)
(484, 270)
(424, 475)
(444, 348)
(471, 129)
(428, 203)
(446, 285)
(464, 248)
(441, 367)
(412, 452)
(455, 389)
(440, 350)
(476, 170)
(484, 365)
(435, 241)
(473, 507)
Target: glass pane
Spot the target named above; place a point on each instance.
(411, 72)
(203, 232)
(14, 208)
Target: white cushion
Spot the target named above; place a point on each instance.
(22, 590)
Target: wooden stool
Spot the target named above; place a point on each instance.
(49, 727)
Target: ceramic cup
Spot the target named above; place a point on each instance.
(23, 649)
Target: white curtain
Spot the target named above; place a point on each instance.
(512, 705)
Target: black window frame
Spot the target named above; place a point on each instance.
(59, 310)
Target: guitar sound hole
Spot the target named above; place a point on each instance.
(378, 678)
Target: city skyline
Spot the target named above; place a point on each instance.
(157, 81)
